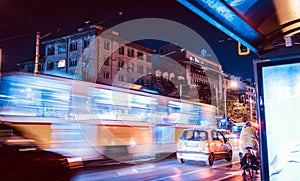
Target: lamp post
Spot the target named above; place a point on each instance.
(251, 116)
(37, 55)
(37, 49)
(0, 61)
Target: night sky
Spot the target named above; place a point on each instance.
(21, 19)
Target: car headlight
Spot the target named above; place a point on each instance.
(75, 162)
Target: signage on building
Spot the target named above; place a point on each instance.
(195, 59)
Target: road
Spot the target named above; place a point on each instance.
(165, 170)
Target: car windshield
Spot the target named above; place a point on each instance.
(194, 135)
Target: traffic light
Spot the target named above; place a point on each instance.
(243, 50)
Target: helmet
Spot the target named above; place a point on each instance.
(248, 123)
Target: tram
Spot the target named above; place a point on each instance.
(96, 121)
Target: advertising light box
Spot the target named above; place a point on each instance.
(278, 85)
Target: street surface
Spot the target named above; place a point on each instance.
(165, 170)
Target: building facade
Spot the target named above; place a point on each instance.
(203, 77)
(240, 99)
(96, 54)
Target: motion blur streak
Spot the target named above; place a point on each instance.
(95, 121)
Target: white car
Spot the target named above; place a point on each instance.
(205, 145)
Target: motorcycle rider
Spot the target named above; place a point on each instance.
(248, 138)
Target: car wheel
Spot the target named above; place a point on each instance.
(210, 160)
(229, 156)
(180, 160)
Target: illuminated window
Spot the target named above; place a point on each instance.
(61, 49)
(61, 64)
(106, 45)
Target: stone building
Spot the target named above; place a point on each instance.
(202, 76)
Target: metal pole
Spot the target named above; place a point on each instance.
(225, 101)
(217, 99)
(251, 117)
(0, 63)
(180, 90)
(37, 46)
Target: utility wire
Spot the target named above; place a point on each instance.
(110, 17)
(17, 36)
(7, 25)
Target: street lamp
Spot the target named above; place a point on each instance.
(233, 84)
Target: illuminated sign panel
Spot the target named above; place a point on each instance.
(279, 97)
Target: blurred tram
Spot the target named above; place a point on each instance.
(96, 121)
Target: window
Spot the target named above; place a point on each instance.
(61, 63)
(106, 60)
(50, 50)
(121, 64)
(140, 69)
(50, 65)
(194, 135)
(140, 55)
(130, 52)
(121, 78)
(149, 70)
(106, 75)
(121, 50)
(161, 51)
(106, 45)
(130, 79)
(72, 61)
(73, 46)
(86, 43)
(41, 67)
(61, 48)
(149, 58)
(30, 68)
(130, 67)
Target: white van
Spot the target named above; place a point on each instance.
(201, 144)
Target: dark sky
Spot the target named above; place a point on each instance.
(21, 19)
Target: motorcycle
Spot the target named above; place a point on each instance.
(249, 163)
